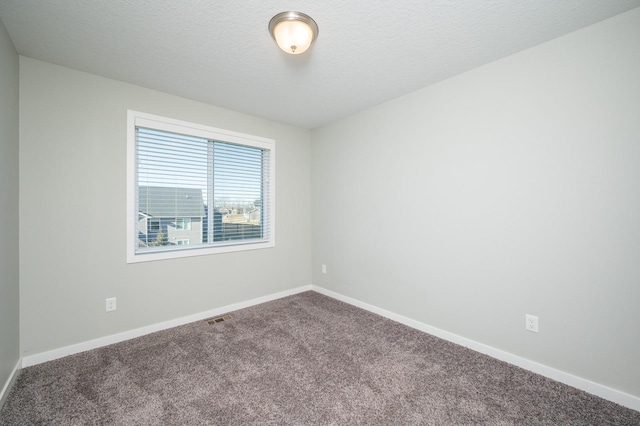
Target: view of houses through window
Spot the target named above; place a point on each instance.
(194, 191)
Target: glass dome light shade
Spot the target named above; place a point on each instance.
(293, 31)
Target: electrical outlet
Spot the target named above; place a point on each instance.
(111, 304)
(531, 323)
(324, 269)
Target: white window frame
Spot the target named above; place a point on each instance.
(141, 119)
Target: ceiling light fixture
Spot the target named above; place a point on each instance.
(293, 31)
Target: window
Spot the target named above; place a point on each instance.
(183, 223)
(194, 190)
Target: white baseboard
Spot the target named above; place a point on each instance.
(39, 358)
(602, 391)
(4, 393)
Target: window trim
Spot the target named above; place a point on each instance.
(141, 119)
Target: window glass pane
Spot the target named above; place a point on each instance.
(183, 223)
(172, 184)
(238, 183)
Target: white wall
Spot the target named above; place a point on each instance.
(9, 283)
(72, 220)
(510, 189)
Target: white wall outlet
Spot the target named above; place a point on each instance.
(324, 269)
(111, 304)
(531, 323)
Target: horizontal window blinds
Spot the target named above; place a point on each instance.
(193, 191)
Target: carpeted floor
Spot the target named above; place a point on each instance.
(304, 359)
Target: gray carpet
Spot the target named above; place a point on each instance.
(304, 359)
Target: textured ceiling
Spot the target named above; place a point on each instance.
(220, 52)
